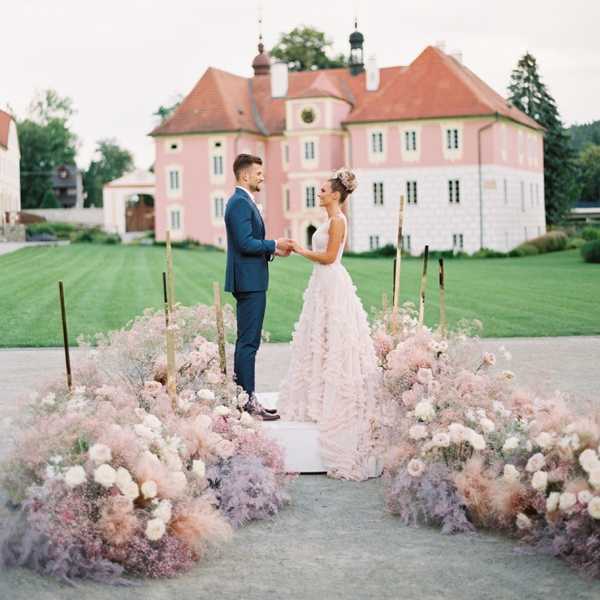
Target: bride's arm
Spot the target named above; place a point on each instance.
(336, 236)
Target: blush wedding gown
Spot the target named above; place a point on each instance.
(333, 373)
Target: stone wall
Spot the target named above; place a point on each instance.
(12, 233)
(92, 217)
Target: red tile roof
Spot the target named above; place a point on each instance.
(5, 120)
(434, 85)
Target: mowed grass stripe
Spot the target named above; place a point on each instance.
(107, 286)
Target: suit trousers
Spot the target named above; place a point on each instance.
(250, 314)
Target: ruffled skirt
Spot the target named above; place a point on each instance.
(333, 374)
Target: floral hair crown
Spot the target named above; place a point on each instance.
(347, 178)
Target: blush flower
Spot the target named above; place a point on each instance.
(205, 394)
(552, 501)
(75, 476)
(487, 425)
(588, 460)
(489, 358)
(424, 375)
(476, 440)
(163, 511)
(584, 496)
(123, 477)
(459, 433)
(508, 375)
(441, 440)
(105, 475)
(100, 453)
(510, 444)
(415, 467)
(536, 462)
(152, 422)
(544, 439)
(155, 529)
(153, 387)
(130, 490)
(203, 422)
(221, 410)
(225, 449)
(144, 432)
(213, 378)
(594, 478)
(199, 468)
(539, 481)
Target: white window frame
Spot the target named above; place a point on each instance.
(410, 140)
(309, 150)
(175, 220)
(310, 195)
(452, 139)
(377, 142)
(174, 180)
(458, 241)
(217, 164)
(454, 191)
(219, 207)
(522, 196)
(406, 243)
(373, 242)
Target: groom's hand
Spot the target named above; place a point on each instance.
(283, 253)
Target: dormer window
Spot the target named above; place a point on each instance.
(377, 142)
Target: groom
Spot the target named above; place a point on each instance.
(247, 275)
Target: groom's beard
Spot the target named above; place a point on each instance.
(255, 188)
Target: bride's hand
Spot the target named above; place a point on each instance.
(296, 247)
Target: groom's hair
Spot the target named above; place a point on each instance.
(243, 162)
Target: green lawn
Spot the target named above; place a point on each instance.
(106, 286)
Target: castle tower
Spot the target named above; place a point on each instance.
(356, 63)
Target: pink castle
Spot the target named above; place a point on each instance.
(468, 163)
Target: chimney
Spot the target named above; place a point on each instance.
(279, 80)
(457, 56)
(441, 45)
(372, 75)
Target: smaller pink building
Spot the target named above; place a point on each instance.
(469, 164)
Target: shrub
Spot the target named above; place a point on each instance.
(112, 238)
(577, 242)
(49, 200)
(550, 242)
(488, 253)
(60, 230)
(85, 237)
(523, 250)
(589, 234)
(591, 251)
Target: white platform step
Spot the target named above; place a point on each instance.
(300, 442)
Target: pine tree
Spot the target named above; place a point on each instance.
(530, 95)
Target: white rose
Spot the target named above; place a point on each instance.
(75, 476)
(199, 468)
(510, 444)
(123, 477)
(523, 521)
(225, 449)
(198, 358)
(242, 399)
(203, 422)
(223, 411)
(441, 440)
(584, 496)
(152, 423)
(594, 478)
(459, 433)
(594, 507)
(487, 425)
(205, 394)
(100, 453)
(179, 479)
(477, 441)
(130, 489)
(544, 439)
(150, 456)
(172, 460)
(415, 467)
(424, 411)
(552, 502)
(149, 489)
(443, 346)
(105, 475)
(213, 378)
(539, 481)
(588, 460)
(511, 472)
(163, 511)
(417, 432)
(155, 529)
(144, 432)
(567, 502)
(528, 446)
(536, 462)
(247, 420)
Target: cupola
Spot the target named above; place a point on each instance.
(356, 62)
(261, 63)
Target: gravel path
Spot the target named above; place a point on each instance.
(336, 539)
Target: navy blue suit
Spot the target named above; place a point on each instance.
(247, 277)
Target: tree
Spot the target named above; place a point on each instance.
(529, 94)
(303, 49)
(50, 200)
(45, 141)
(583, 136)
(164, 112)
(589, 160)
(113, 162)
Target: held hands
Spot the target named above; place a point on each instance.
(283, 247)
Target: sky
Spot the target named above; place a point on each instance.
(119, 60)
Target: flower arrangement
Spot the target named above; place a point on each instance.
(116, 476)
(469, 447)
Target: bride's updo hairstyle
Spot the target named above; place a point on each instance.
(344, 181)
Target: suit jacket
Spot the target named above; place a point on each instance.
(248, 253)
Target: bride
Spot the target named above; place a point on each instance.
(333, 371)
